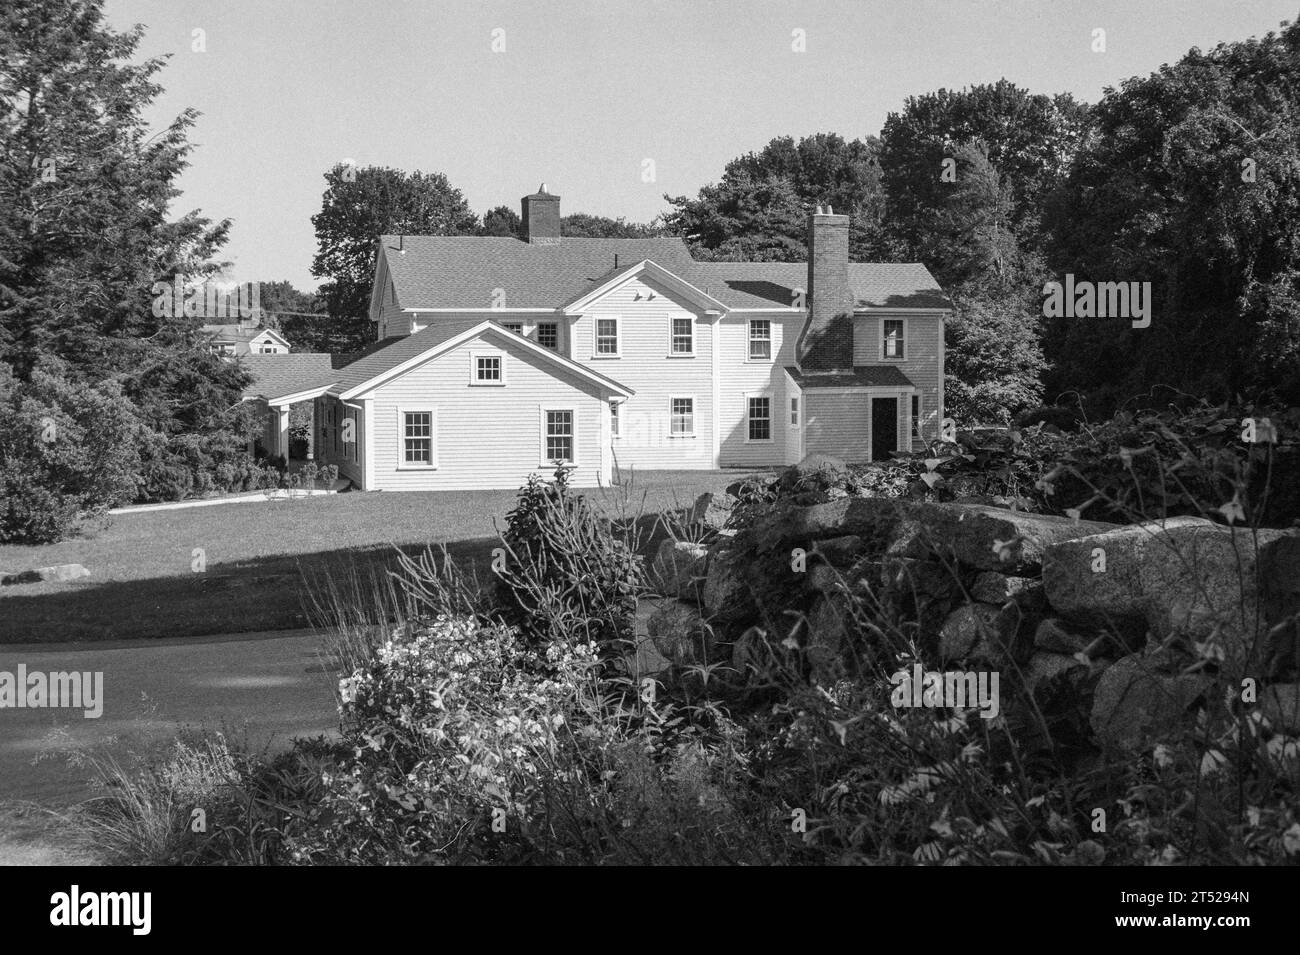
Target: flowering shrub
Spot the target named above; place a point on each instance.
(451, 727)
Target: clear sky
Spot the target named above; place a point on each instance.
(585, 91)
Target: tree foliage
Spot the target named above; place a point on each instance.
(86, 244)
(358, 206)
(759, 209)
(1189, 179)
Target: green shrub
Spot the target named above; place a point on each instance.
(452, 726)
(67, 451)
(570, 573)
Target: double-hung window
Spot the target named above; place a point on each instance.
(607, 336)
(548, 335)
(681, 421)
(760, 339)
(892, 345)
(417, 439)
(613, 419)
(516, 327)
(794, 412)
(760, 418)
(681, 335)
(559, 435)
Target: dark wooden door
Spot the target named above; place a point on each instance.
(884, 428)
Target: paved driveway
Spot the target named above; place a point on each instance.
(269, 686)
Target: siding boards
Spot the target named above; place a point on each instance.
(742, 377)
(920, 364)
(838, 425)
(644, 306)
(486, 437)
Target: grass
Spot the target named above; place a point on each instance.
(143, 582)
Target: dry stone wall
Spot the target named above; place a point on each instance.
(1121, 628)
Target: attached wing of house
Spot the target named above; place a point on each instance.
(498, 357)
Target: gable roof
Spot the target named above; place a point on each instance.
(464, 272)
(388, 353)
(612, 280)
(862, 376)
(389, 356)
(277, 375)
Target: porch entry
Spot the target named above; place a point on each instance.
(884, 428)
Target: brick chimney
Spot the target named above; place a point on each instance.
(542, 217)
(827, 341)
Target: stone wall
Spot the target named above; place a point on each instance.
(1122, 629)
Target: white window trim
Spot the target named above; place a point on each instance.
(474, 356)
(794, 411)
(402, 412)
(616, 435)
(543, 462)
(683, 316)
(695, 411)
(537, 335)
(906, 338)
(595, 337)
(771, 342)
(771, 430)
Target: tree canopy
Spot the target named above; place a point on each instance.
(358, 206)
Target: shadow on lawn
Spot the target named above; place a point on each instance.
(247, 596)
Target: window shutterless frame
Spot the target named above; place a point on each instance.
(681, 336)
(681, 416)
(607, 336)
(893, 339)
(758, 418)
(559, 435)
(417, 438)
(487, 368)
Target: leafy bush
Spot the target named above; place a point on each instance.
(1052, 416)
(448, 724)
(1138, 465)
(251, 801)
(67, 450)
(571, 573)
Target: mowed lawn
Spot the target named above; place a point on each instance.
(261, 562)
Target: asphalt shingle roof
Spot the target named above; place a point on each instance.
(387, 354)
(465, 272)
(277, 375)
(862, 376)
(391, 352)
(874, 284)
